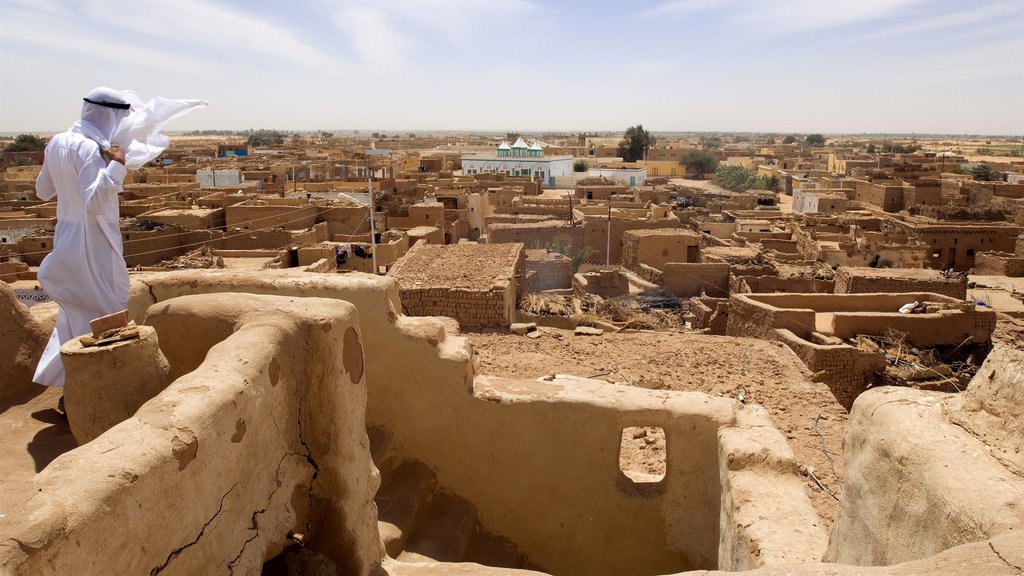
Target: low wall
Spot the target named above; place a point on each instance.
(546, 271)
(652, 275)
(998, 264)
(711, 314)
(537, 235)
(471, 308)
(758, 320)
(848, 281)
(773, 284)
(943, 328)
(24, 339)
(277, 445)
(918, 484)
(686, 280)
(847, 371)
(557, 442)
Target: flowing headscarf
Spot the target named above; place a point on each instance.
(121, 117)
(102, 111)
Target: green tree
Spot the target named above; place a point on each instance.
(789, 139)
(578, 256)
(26, 143)
(263, 138)
(710, 142)
(871, 149)
(740, 179)
(580, 165)
(983, 172)
(763, 182)
(815, 140)
(699, 161)
(735, 178)
(635, 143)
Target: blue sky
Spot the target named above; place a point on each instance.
(674, 65)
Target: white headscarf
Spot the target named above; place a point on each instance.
(98, 122)
(137, 130)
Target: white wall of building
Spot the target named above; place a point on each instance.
(627, 176)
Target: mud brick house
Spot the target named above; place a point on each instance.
(476, 284)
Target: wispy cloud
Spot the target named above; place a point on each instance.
(959, 19)
(387, 33)
(175, 32)
(681, 8)
(783, 16)
(200, 24)
(372, 34)
(44, 28)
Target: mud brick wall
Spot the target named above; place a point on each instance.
(686, 280)
(652, 275)
(537, 235)
(1020, 239)
(806, 245)
(846, 370)
(471, 308)
(999, 264)
(549, 273)
(759, 321)
(711, 314)
(851, 283)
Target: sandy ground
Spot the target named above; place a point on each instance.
(34, 434)
(719, 365)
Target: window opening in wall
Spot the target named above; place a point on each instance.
(642, 454)
(970, 251)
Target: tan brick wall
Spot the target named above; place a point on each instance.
(846, 370)
(848, 282)
(999, 264)
(471, 308)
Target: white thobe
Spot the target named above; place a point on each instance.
(85, 273)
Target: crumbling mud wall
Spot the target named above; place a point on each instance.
(546, 470)
(846, 370)
(873, 280)
(24, 339)
(927, 471)
(261, 433)
(539, 461)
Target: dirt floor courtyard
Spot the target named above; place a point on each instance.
(762, 372)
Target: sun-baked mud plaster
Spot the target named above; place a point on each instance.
(229, 460)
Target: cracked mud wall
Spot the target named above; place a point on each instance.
(918, 481)
(227, 460)
(552, 457)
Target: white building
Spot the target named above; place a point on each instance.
(628, 176)
(210, 178)
(520, 160)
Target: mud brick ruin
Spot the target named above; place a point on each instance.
(489, 372)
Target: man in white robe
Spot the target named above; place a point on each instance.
(84, 169)
(85, 273)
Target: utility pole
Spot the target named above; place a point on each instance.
(608, 246)
(373, 228)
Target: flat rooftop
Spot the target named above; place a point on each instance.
(924, 274)
(663, 232)
(466, 266)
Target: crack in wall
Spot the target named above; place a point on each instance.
(316, 470)
(1019, 569)
(176, 552)
(254, 523)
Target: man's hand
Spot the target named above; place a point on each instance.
(113, 154)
